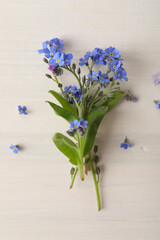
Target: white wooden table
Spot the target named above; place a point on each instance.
(35, 200)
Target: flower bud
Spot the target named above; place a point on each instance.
(60, 85)
(73, 66)
(96, 159)
(97, 170)
(95, 149)
(87, 160)
(48, 76)
(79, 71)
(100, 94)
(70, 133)
(45, 60)
(72, 170)
(58, 71)
(83, 79)
(90, 98)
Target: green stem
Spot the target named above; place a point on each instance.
(96, 185)
(56, 79)
(89, 90)
(73, 177)
(91, 103)
(70, 70)
(81, 172)
(98, 99)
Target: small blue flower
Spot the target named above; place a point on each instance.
(125, 144)
(93, 76)
(22, 110)
(112, 52)
(98, 58)
(115, 65)
(120, 74)
(156, 78)
(103, 77)
(57, 44)
(57, 60)
(49, 48)
(83, 123)
(74, 125)
(68, 59)
(15, 148)
(84, 60)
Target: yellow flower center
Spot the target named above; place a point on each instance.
(57, 61)
(75, 125)
(114, 67)
(15, 148)
(51, 53)
(111, 54)
(56, 45)
(21, 110)
(102, 77)
(119, 75)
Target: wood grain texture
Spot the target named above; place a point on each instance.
(35, 200)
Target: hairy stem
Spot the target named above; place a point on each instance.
(70, 70)
(96, 185)
(73, 177)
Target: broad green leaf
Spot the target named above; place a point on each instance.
(63, 102)
(67, 147)
(70, 117)
(94, 119)
(113, 101)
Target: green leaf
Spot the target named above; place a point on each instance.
(67, 147)
(67, 115)
(113, 101)
(63, 102)
(94, 119)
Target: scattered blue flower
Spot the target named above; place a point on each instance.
(74, 125)
(156, 78)
(15, 148)
(112, 52)
(120, 74)
(115, 65)
(125, 144)
(22, 110)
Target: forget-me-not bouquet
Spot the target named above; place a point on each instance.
(84, 104)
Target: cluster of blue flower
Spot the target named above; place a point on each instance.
(53, 50)
(79, 125)
(73, 92)
(111, 56)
